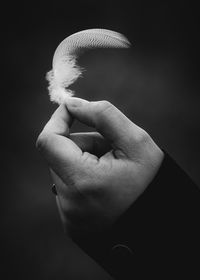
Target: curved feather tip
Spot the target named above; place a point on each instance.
(65, 70)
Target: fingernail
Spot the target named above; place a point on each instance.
(75, 102)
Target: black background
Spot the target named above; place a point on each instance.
(157, 87)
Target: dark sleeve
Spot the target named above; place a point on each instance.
(158, 236)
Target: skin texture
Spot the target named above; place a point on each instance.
(98, 175)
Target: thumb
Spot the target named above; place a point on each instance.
(107, 120)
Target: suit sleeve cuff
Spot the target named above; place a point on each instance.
(149, 220)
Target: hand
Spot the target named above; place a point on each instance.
(97, 175)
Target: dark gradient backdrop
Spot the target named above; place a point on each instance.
(156, 85)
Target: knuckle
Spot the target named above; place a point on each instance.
(103, 106)
(104, 103)
(42, 141)
(142, 137)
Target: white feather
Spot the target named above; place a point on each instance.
(61, 77)
(65, 69)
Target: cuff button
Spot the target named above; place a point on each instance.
(122, 250)
(122, 260)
